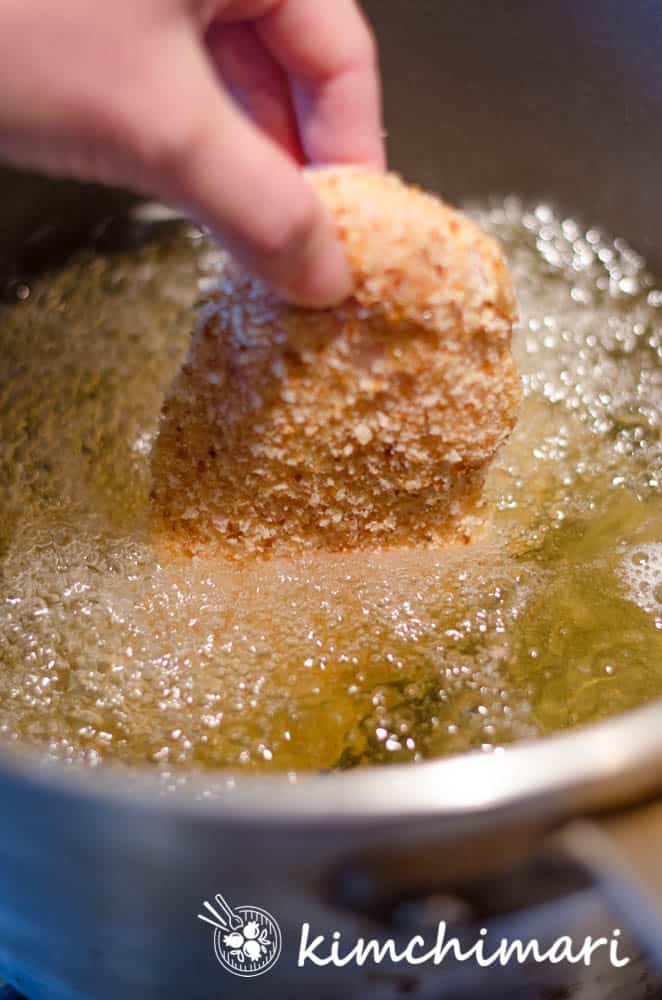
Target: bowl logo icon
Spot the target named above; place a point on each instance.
(247, 939)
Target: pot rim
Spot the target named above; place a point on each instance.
(611, 763)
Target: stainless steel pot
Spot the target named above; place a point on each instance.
(101, 877)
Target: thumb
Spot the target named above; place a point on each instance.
(193, 147)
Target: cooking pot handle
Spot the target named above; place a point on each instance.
(624, 852)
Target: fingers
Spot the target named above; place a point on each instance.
(330, 54)
(256, 81)
(199, 150)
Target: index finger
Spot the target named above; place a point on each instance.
(330, 54)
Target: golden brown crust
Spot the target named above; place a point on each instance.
(371, 424)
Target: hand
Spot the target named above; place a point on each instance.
(213, 105)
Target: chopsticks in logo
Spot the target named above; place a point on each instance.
(230, 921)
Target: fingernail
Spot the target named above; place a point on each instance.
(323, 279)
(310, 270)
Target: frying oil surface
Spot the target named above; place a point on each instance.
(553, 620)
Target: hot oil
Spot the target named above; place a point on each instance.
(552, 620)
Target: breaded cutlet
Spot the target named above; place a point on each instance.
(372, 424)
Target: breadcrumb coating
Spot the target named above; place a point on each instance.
(368, 425)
